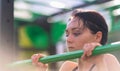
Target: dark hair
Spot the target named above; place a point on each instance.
(93, 21)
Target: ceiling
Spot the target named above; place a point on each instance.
(29, 9)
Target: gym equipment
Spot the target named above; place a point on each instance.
(72, 55)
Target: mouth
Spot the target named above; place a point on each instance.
(71, 48)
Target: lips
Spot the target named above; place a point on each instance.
(71, 47)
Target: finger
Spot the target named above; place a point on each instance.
(86, 49)
(33, 57)
(84, 52)
(89, 53)
(40, 56)
(37, 57)
(90, 49)
(83, 57)
(41, 66)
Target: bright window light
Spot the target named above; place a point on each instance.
(116, 12)
(21, 5)
(22, 14)
(57, 4)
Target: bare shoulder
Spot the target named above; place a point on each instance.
(112, 62)
(110, 57)
(68, 66)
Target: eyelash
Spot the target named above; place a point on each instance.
(75, 34)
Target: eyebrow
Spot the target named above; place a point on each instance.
(73, 29)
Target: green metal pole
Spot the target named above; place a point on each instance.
(72, 55)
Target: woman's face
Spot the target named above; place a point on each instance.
(76, 36)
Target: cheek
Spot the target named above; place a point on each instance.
(79, 43)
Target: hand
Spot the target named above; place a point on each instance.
(39, 65)
(88, 48)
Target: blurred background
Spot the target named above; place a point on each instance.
(37, 26)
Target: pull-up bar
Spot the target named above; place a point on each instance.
(72, 55)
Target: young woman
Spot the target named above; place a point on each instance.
(85, 30)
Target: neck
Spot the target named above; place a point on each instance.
(85, 64)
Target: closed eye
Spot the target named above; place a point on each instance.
(76, 34)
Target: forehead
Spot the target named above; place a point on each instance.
(74, 23)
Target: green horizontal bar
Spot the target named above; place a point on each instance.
(72, 55)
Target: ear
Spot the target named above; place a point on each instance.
(98, 36)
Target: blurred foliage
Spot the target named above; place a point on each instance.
(37, 37)
(24, 41)
(57, 31)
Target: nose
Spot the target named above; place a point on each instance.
(69, 39)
